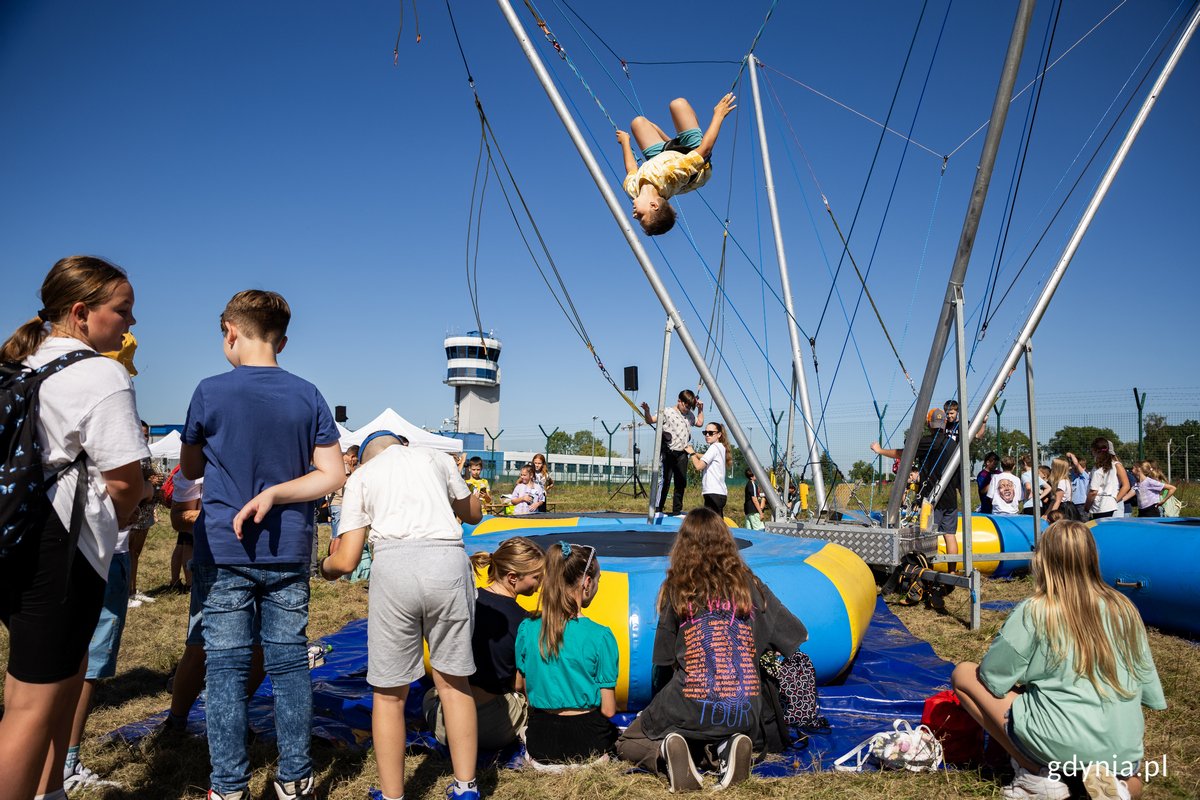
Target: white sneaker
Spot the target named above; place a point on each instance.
(145, 598)
(1027, 785)
(1103, 785)
(83, 778)
(135, 603)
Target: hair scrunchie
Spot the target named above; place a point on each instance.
(566, 548)
(43, 315)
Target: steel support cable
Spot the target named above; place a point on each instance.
(472, 287)
(616, 84)
(820, 244)
(874, 159)
(1038, 77)
(1095, 154)
(562, 54)
(637, 101)
(753, 44)
(400, 31)
(1010, 204)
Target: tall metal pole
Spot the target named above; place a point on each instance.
(1140, 400)
(785, 286)
(1035, 478)
(966, 242)
(620, 215)
(964, 447)
(787, 446)
(656, 465)
(1060, 269)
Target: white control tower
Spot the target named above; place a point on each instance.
(473, 369)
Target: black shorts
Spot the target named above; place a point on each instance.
(554, 738)
(50, 616)
(185, 539)
(716, 502)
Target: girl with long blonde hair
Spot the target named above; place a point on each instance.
(713, 466)
(1148, 489)
(513, 570)
(541, 476)
(1063, 683)
(567, 663)
(1060, 488)
(715, 621)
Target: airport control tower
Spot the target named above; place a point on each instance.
(473, 369)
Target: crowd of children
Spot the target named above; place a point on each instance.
(1065, 679)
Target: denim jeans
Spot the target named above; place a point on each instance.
(239, 600)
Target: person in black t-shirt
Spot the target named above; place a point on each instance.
(754, 503)
(513, 570)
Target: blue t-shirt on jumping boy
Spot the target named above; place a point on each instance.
(258, 427)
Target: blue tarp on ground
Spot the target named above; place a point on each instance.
(890, 678)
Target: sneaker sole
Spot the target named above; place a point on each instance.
(1101, 785)
(681, 770)
(741, 754)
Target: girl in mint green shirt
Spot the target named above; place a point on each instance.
(567, 664)
(1062, 685)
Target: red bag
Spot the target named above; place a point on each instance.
(168, 488)
(961, 736)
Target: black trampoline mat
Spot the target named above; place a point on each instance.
(610, 543)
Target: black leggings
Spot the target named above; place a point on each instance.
(674, 467)
(1150, 511)
(716, 502)
(554, 738)
(50, 615)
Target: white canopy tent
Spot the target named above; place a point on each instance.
(167, 447)
(389, 420)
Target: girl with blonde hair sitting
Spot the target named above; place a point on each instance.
(1062, 686)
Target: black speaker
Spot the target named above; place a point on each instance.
(339, 414)
(631, 379)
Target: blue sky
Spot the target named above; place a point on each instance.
(215, 147)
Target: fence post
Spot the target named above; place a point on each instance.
(493, 447)
(879, 459)
(617, 427)
(1000, 404)
(1141, 403)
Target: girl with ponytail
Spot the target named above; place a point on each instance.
(568, 663)
(513, 570)
(52, 581)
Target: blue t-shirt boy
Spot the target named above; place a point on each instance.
(258, 427)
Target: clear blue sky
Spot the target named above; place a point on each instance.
(209, 148)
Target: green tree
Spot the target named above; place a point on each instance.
(562, 443)
(1078, 439)
(862, 471)
(584, 444)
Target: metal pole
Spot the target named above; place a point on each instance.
(964, 447)
(1169, 459)
(494, 471)
(966, 242)
(999, 410)
(785, 286)
(787, 445)
(657, 464)
(547, 435)
(1187, 469)
(1140, 400)
(617, 427)
(1060, 269)
(1035, 478)
(879, 459)
(639, 252)
(592, 465)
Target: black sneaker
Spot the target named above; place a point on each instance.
(682, 775)
(735, 764)
(303, 789)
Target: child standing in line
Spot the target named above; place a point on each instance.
(715, 620)
(673, 165)
(475, 480)
(266, 445)
(754, 503)
(528, 496)
(567, 663)
(1060, 492)
(541, 476)
(1108, 481)
(1065, 680)
(513, 570)
(422, 587)
(1149, 489)
(1004, 489)
(713, 466)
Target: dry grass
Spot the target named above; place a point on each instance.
(153, 642)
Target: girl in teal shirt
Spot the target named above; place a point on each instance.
(567, 664)
(1062, 686)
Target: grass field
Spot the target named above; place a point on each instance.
(153, 643)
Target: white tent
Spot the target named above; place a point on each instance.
(342, 430)
(167, 447)
(389, 420)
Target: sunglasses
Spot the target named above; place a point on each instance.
(711, 433)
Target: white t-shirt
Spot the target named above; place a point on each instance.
(88, 407)
(1105, 484)
(712, 480)
(1005, 491)
(1064, 486)
(1027, 478)
(186, 490)
(405, 493)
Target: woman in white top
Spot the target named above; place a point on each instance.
(50, 598)
(1108, 481)
(713, 465)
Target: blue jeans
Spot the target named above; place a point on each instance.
(239, 600)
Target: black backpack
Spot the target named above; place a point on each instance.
(24, 485)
